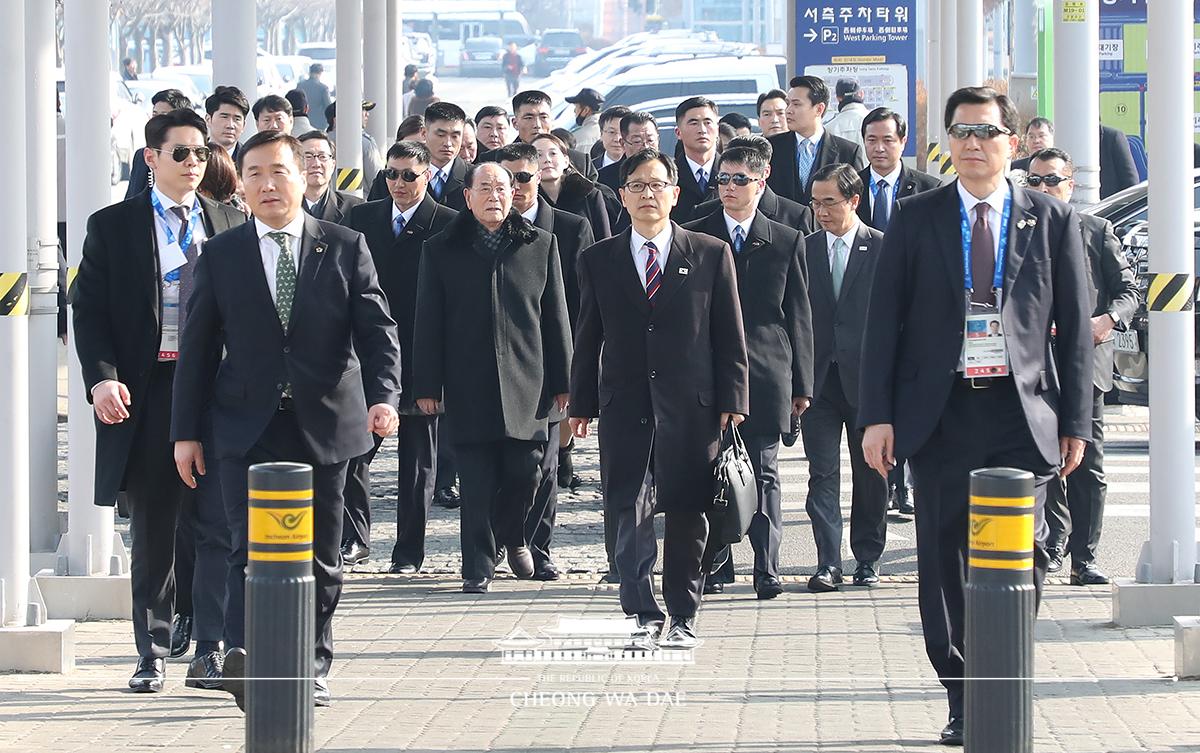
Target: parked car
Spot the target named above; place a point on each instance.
(556, 49)
(200, 75)
(481, 56)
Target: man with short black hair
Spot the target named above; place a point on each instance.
(775, 207)
(444, 124)
(772, 112)
(300, 121)
(639, 130)
(321, 199)
(696, 129)
(226, 110)
(531, 116)
(140, 177)
(273, 113)
(1039, 135)
(738, 122)
(607, 148)
(807, 147)
(317, 93)
(493, 128)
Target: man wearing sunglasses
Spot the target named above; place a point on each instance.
(130, 299)
(784, 211)
(776, 316)
(1075, 521)
(140, 177)
(977, 250)
(396, 228)
(321, 199)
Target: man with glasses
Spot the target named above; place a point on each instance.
(807, 147)
(395, 229)
(127, 335)
(321, 200)
(663, 365)
(639, 130)
(784, 211)
(772, 286)
(492, 344)
(1075, 521)
(955, 258)
(608, 149)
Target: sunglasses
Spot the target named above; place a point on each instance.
(409, 176)
(522, 177)
(981, 131)
(180, 153)
(738, 179)
(1050, 180)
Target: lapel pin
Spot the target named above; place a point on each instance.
(1020, 224)
(1031, 221)
(863, 248)
(319, 248)
(683, 270)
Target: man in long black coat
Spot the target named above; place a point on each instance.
(660, 357)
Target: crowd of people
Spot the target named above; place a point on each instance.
(506, 289)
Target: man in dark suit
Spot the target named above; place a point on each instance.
(226, 110)
(494, 341)
(609, 149)
(1039, 135)
(696, 129)
(841, 267)
(660, 357)
(573, 234)
(321, 199)
(396, 228)
(139, 172)
(137, 273)
(1114, 300)
(773, 289)
(531, 116)
(283, 309)
(807, 147)
(784, 211)
(917, 400)
(1117, 170)
(639, 130)
(444, 125)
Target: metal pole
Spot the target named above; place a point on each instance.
(949, 32)
(1001, 609)
(934, 95)
(1045, 67)
(972, 42)
(85, 37)
(14, 345)
(234, 46)
(350, 94)
(280, 603)
(1171, 555)
(375, 68)
(1025, 37)
(1076, 71)
(393, 113)
(42, 193)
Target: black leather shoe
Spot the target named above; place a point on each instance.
(448, 498)
(1055, 560)
(1088, 575)
(181, 636)
(476, 585)
(233, 672)
(713, 588)
(865, 575)
(321, 695)
(681, 634)
(952, 733)
(149, 675)
(204, 671)
(793, 434)
(520, 559)
(768, 587)
(905, 506)
(893, 498)
(402, 568)
(354, 553)
(827, 579)
(546, 572)
(611, 577)
(650, 627)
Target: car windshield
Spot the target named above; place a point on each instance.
(562, 39)
(482, 44)
(319, 53)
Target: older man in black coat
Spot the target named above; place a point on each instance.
(660, 357)
(494, 340)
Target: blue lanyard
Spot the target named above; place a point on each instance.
(998, 278)
(186, 241)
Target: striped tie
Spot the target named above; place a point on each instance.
(653, 272)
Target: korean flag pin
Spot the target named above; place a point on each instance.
(319, 248)
(683, 270)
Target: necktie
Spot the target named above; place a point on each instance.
(398, 225)
(285, 278)
(653, 272)
(839, 266)
(437, 184)
(739, 238)
(880, 206)
(702, 181)
(187, 274)
(983, 257)
(804, 159)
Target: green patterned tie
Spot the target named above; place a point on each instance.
(285, 278)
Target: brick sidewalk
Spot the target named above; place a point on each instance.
(418, 669)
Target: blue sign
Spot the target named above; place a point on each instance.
(874, 43)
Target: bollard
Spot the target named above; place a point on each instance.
(280, 604)
(1001, 608)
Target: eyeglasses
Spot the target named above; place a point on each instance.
(737, 179)
(981, 131)
(827, 203)
(1050, 180)
(522, 177)
(655, 186)
(492, 190)
(180, 153)
(321, 157)
(409, 176)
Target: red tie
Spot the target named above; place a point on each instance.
(653, 272)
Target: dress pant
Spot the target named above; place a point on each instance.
(1087, 491)
(684, 556)
(207, 531)
(497, 482)
(979, 428)
(821, 426)
(281, 441)
(539, 523)
(447, 461)
(766, 527)
(185, 557)
(900, 479)
(154, 495)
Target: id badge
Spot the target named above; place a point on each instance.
(984, 351)
(171, 258)
(168, 345)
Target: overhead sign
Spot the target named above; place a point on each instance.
(872, 42)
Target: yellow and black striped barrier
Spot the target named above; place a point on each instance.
(349, 179)
(937, 161)
(1171, 292)
(14, 293)
(1001, 606)
(280, 607)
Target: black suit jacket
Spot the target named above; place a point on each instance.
(776, 318)
(334, 206)
(910, 182)
(398, 263)
(659, 376)
(915, 322)
(785, 170)
(689, 190)
(492, 331)
(339, 328)
(775, 207)
(117, 309)
(1117, 171)
(610, 175)
(452, 193)
(1112, 287)
(582, 197)
(139, 175)
(573, 234)
(838, 322)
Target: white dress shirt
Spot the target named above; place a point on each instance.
(706, 167)
(637, 244)
(815, 139)
(171, 220)
(892, 179)
(731, 223)
(995, 202)
(848, 239)
(531, 213)
(269, 249)
(407, 214)
(609, 160)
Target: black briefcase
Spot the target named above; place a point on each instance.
(735, 495)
